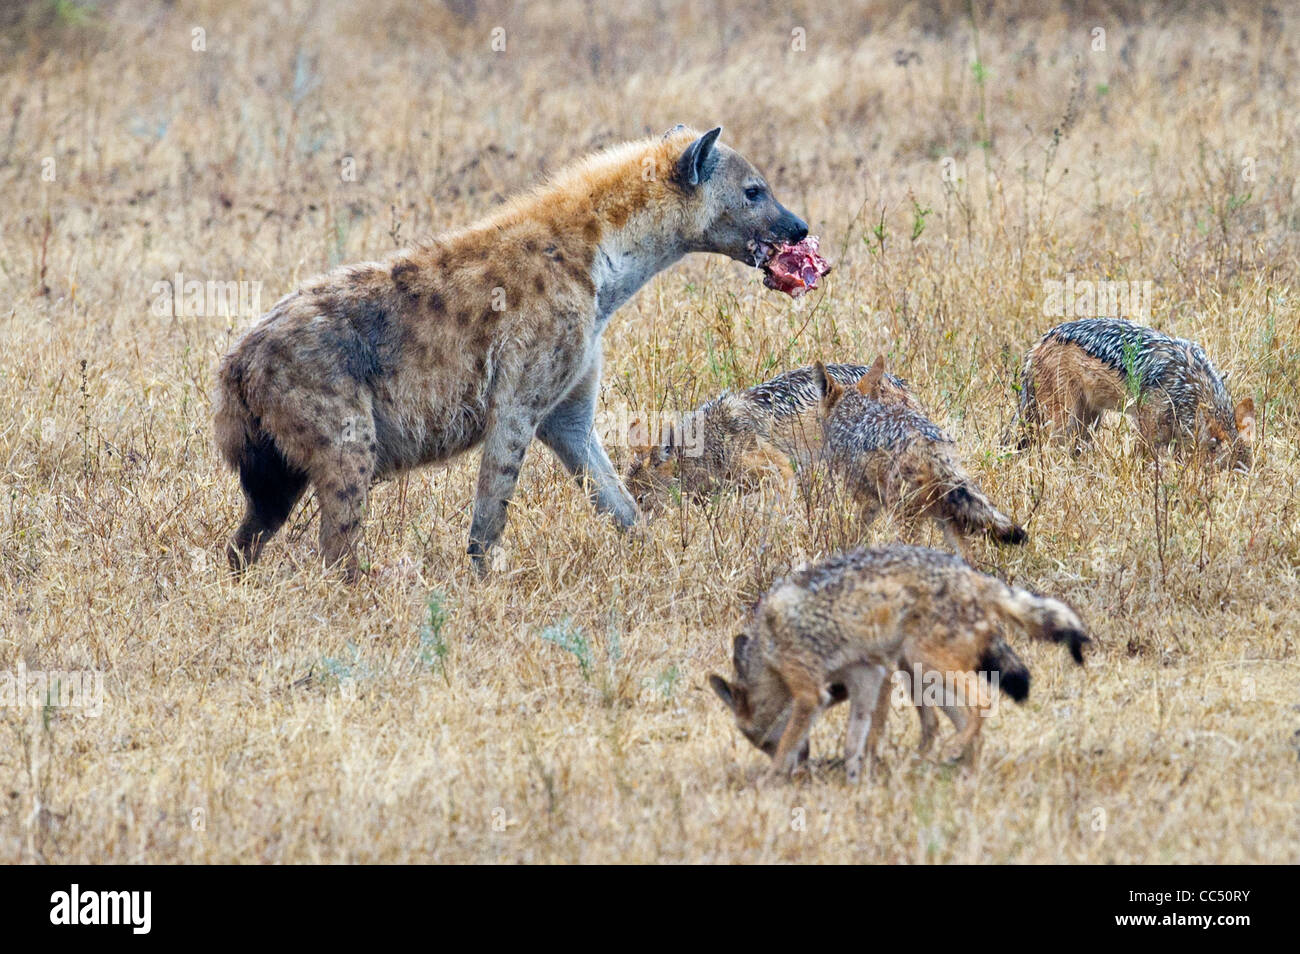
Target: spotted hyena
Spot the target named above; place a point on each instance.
(487, 336)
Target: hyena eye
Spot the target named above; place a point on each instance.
(754, 193)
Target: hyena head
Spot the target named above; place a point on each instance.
(757, 697)
(727, 205)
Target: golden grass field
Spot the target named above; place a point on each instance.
(952, 165)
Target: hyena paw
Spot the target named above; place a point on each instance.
(484, 559)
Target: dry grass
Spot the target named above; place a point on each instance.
(288, 719)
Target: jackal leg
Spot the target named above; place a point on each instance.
(925, 710)
(509, 431)
(866, 686)
(567, 430)
(956, 540)
(966, 744)
(786, 759)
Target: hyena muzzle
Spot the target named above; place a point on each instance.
(485, 336)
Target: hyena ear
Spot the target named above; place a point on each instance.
(722, 689)
(869, 383)
(1245, 414)
(695, 164)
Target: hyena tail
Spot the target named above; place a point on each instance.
(966, 506)
(271, 485)
(1042, 617)
(1013, 674)
(236, 426)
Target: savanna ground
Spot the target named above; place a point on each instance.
(953, 164)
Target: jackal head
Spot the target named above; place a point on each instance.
(1228, 439)
(757, 697)
(727, 205)
(653, 469)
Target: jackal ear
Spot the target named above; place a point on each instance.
(695, 164)
(1245, 414)
(821, 378)
(638, 439)
(672, 132)
(740, 653)
(722, 689)
(869, 383)
(831, 389)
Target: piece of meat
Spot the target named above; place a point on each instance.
(794, 269)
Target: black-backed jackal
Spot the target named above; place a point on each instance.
(1080, 369)
(889, 454)
(749, 436)
(859, 616)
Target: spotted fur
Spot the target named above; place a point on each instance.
(486, 336)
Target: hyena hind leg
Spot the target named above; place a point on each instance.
(272, 486)
(342, 490)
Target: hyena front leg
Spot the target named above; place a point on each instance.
(568, 431)
(509, 431)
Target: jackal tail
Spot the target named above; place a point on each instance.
(1013, 674)
(1042, 617)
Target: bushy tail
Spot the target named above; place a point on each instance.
(1013, 674)
(1042, 617)
(972, 512)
